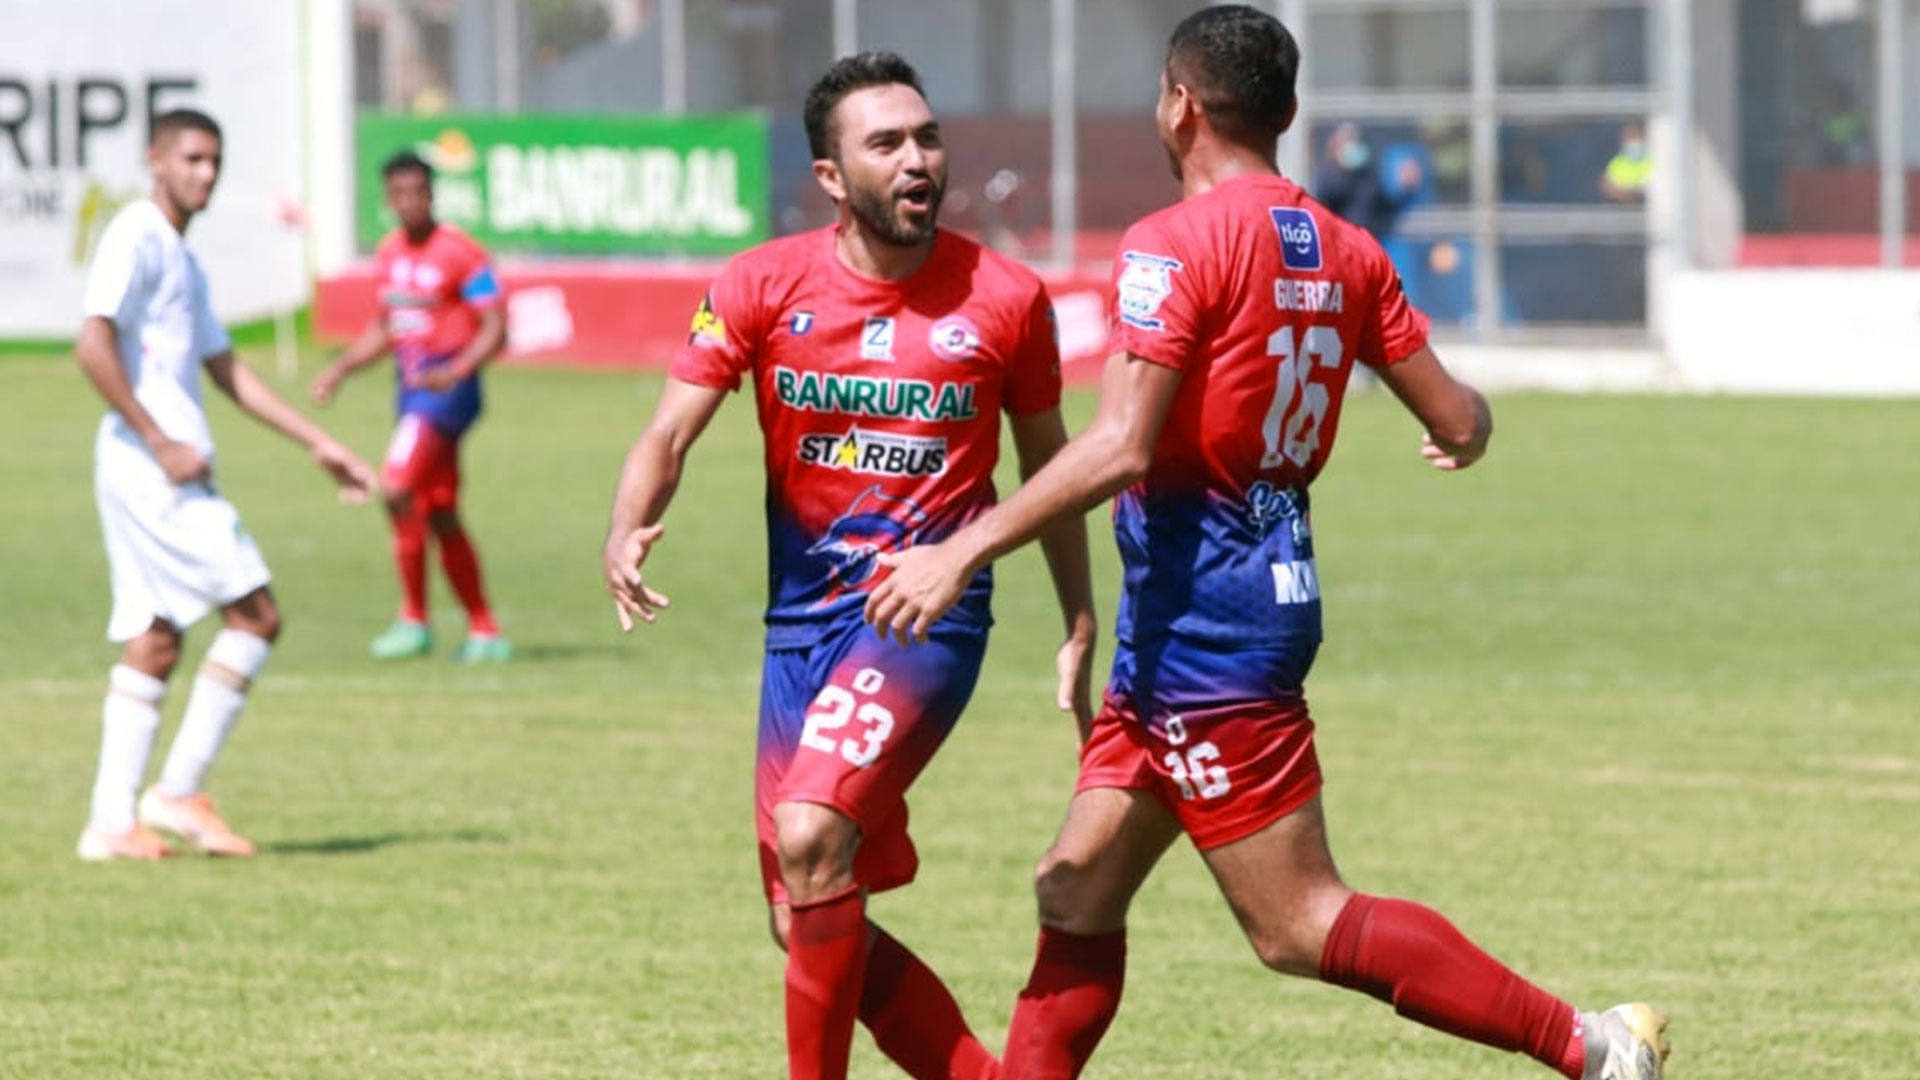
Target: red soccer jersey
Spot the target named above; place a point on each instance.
(1263, 299)
(432, 293)
(879, 401)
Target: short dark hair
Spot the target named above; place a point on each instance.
(1241, 64)
(850, 73)
(406, 161)
(174, 121)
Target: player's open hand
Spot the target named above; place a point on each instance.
(1074, 664)
(356, 478)
(631, 597)
(925, 583)
(1450, 458)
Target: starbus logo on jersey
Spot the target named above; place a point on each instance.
(1299, 238)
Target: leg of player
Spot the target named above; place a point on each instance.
(910, 1013)
(408, 636)
(462, 564)
(128, 720)
(1109, 843)
(1303, 920)
(826, 938)
(178, 803)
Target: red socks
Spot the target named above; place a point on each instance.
(826, 957)
(915, 1020)
(1069, 1000)
(457, 557)
(410, 556)
(1410, 955)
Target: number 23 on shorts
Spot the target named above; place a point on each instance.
(835, 707)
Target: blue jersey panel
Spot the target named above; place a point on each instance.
(452, 411)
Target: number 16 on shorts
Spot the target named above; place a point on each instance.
(849, 722)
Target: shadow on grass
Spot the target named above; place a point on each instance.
(544, 651)
(359, 845)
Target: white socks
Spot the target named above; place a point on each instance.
(128, 720)
(234, 657)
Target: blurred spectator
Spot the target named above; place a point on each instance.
(1627, 172)
(1843, 129)
(1370, 194)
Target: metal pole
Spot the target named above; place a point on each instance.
(1485, 184)
(1066, 168)
(1893, 208)
(1679, 227)
(506, 55)
(846, 27)
(673, 57)
(1296, 145)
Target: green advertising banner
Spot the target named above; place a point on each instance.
(580, 184)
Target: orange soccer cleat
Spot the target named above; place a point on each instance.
(193, 820)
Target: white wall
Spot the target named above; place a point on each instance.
(1843, 332)
(236, 59)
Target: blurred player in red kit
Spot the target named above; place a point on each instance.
(1239, 314)
(881, 353)
(440, 314)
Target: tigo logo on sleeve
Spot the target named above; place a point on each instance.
(1299, 237)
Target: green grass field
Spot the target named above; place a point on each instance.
(1637, 703)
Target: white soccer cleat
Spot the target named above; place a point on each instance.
(193, 820)
(138, 843)
(1627, 1042)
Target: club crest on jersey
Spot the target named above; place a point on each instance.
(875, 453)
(876, 339)
(709, 331)
(1299, 237)
(801, 323)
(872, 524)
(1145, 284)
(954, 339)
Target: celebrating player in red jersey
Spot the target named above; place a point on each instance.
(1240, 312)
(881, 353)
(440, 315)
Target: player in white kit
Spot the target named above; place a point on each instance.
(175, 547)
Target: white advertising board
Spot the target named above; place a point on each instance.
(80, 81)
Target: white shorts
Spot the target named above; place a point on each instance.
(176, 553)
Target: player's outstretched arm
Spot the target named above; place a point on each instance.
(372, 344)
(1036, 439)
(98, 351)
(1113, 452)
(1458, 419)
(647, 483)
(355, 478)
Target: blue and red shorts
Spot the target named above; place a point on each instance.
(424, 462)
(849, 723)
(1223, 740)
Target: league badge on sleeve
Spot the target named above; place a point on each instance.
(709, 330)
(1299, 238)
(1145, 283)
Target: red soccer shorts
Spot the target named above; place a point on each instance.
(424, 462)
(849, 724)
(1225, 773)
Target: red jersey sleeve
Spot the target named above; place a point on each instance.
(1033, 367)
(726, 332)
(1157, 301)
(1394, 328)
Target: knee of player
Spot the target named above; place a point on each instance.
(399, 502)
(1285, 951)
(443, 522)
(1058, 887)
(264, 624)
(815, 844)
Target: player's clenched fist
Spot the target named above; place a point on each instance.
(623, 555)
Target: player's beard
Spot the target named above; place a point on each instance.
(880, 213)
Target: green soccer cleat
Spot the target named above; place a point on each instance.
(1627, 1042)
(492, 649)
(402, 641)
